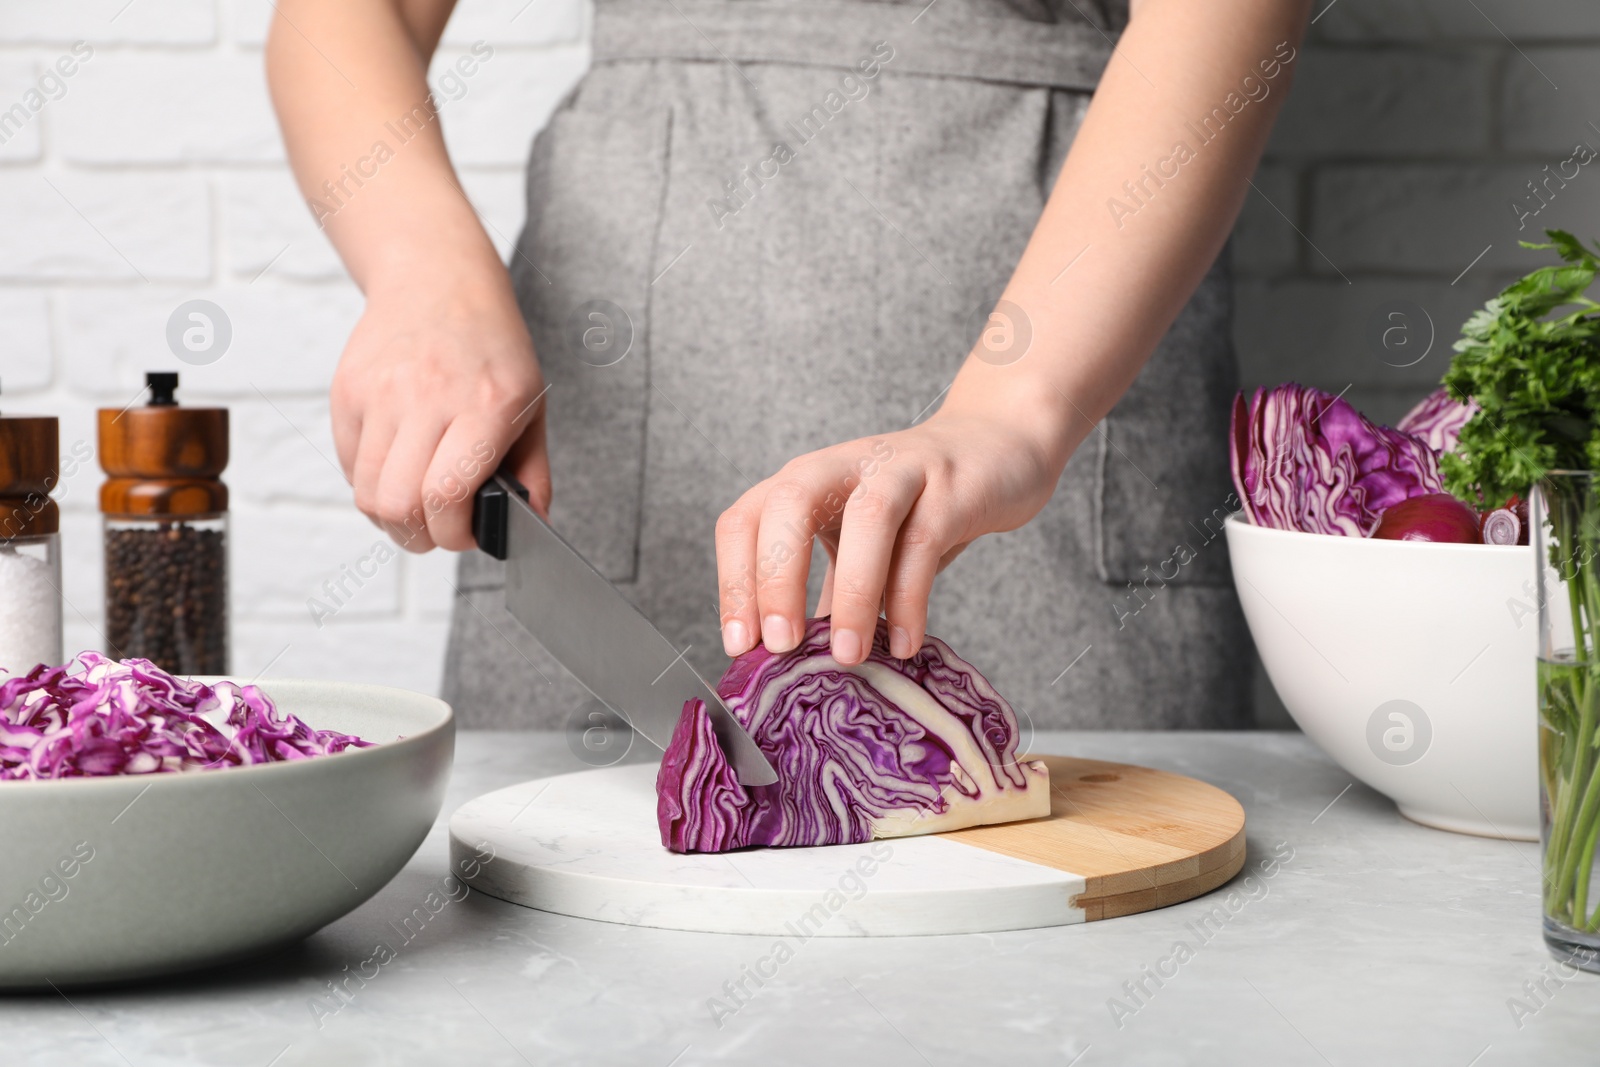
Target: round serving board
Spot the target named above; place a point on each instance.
(1118, 840)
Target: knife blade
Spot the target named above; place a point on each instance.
(595, 632)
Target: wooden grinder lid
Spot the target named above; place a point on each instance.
(30, 466)
(163, 459)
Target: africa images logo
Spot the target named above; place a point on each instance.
(1399, 733)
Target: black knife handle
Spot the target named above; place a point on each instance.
(491, 512)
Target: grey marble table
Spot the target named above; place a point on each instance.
(1370, 941)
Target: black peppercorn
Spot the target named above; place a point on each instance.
(166, 595)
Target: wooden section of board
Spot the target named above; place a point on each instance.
(1140, 838)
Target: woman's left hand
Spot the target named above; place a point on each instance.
(893, 511)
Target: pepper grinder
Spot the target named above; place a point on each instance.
(30, 543)
(165, 512)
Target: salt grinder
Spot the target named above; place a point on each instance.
(30, 543)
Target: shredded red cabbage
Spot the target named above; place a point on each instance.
(1438, 419)
(887, 748)
(1305, 460)
(132, 717)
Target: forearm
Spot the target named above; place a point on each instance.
(438, 384)
(1141, 208)
(349, 81)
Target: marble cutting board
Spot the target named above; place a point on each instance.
(1119, 839)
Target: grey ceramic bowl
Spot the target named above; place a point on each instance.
(106, 879)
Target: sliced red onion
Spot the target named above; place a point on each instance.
(1502, 527)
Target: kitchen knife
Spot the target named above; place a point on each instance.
(594, 632)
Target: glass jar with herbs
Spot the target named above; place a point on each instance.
(165, 513)
(1530, 362)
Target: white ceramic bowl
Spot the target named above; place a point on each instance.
(1411, 664)
(105, 879)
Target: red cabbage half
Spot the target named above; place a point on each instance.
(1438, 419)
(1306, 460)
(132, 717)
(888, 748)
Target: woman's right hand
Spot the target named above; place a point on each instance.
(437, 387)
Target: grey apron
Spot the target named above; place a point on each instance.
(785, 215)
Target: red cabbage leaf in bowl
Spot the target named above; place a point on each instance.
(1438, 419)
(888, 748)
(1306, 460)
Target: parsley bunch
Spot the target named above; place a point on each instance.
(1530, 358)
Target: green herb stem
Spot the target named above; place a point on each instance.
(1580, 891)
(1580, 842)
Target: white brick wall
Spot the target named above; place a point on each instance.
(1431, 21)
(156, 177)
(171, 22)
(1411, 126)
(69, 225)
